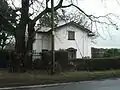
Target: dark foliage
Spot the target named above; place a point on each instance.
(61, 57)
(96, 64)
(15, 62)
(3, 58)
(112, 52)
(8, 12)
(61, 62)
(3, 39)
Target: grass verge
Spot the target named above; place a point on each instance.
(40, 77)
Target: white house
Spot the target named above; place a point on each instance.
(70, 36)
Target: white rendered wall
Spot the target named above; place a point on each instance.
(82, 42)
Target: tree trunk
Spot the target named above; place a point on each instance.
(30, 45)
(20, 47)
(20, 35)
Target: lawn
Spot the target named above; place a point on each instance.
(40, 77)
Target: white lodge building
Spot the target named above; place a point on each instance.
(70, 36)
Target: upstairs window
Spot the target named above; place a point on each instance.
(71, 35)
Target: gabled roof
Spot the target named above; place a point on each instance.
(77, 25)
(70, 23)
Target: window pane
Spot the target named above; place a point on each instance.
(71, 35)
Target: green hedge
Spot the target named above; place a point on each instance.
(96, 64)
(61, 57)
(3, 58)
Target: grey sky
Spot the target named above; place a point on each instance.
(102, 7)
(97, 8)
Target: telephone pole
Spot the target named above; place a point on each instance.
(52, 38)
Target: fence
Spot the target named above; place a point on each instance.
(36, 55)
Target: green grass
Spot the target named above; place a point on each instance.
(95, 73)
(41, 74)
(40, 77)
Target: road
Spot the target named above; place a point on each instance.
(109, 84)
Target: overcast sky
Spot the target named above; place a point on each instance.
(102, 7)
(110, 36)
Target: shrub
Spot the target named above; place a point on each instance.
(61, 58)
(97, 64)
(3, 58)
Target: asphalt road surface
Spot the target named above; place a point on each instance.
(109, 84)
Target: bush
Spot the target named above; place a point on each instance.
(3, 58)
(97, 64)
(44, 62)
(61, 58)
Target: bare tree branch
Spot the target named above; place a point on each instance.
(47, 3)
(92, 18)
(118, 2)
(98, 32)
(48, 10)
(40, 15)
(13, 4)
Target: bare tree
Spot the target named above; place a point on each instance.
(33, 10)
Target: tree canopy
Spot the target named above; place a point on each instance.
(7, 23)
